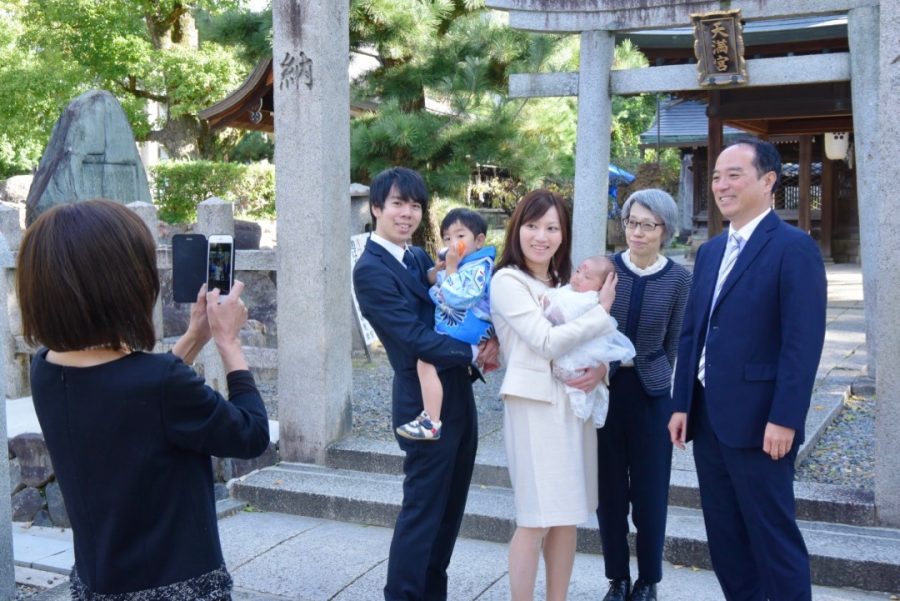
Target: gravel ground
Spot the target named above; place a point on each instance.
(23, 591)
(845, 453)
(372, 399)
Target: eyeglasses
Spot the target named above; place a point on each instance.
(646, 226)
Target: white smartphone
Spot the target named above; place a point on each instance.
(220, 263)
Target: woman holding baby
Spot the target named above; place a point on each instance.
(551, 452)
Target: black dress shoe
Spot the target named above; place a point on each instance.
(643, 591)
(619, 590)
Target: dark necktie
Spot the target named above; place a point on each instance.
(412, 265)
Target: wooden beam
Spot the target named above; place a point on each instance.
(686, 54)
(828, 196)
(781, 71)
(803, 185)
(756, 127)
(699, 190)
(784, 108)
(542, 16)
(714, 216)
(799, 126)
(595, 6)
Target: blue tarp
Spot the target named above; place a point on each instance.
(617, 176)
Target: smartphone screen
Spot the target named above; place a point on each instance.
(188, 266)
(220, 264)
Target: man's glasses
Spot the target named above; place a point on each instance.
(646, 226)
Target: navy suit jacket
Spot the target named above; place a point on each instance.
(765, 334)
(400, 311)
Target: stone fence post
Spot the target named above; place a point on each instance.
(16, 367)
(214, 217)
(147, 212)
(7, 572)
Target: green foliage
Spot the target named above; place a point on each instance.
(669, 171)
(253, 146)
(140, 50)
(182, 185)
(461, 55)
(29, 86)
(249, 32)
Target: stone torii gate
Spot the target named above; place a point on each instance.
(873, 68)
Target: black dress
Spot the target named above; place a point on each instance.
(130, 442)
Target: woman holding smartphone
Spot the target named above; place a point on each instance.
(131, 432)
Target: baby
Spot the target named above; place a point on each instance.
(568, 302)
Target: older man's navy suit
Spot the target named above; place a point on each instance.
(395, 301)
(763, 338)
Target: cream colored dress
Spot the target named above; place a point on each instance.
(551, 453)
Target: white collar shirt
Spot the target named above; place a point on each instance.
(396, 250)
(748, 229)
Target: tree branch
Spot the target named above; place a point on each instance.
(131, 88)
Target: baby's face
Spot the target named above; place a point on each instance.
(589, 276)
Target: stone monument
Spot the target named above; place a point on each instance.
(91, 154)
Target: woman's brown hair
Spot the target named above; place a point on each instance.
(86, 276)
(532, 207)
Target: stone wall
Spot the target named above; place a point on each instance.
(37, 498)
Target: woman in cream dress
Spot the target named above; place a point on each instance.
(552, 454)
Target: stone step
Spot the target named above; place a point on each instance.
(844, 556)
(815, 502)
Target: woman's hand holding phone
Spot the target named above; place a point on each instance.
(227, 315)
(198, 327)
(198, 333)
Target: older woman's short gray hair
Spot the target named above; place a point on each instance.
(661, 204)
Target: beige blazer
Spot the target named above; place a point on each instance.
(528, 341)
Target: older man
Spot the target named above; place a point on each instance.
(747, 358)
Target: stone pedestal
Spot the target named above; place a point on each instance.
(686, 196)
(17, 384)
(861, 23)
(592, 145)
(7, 576)
(312, 161)
(214, 217)
(887, 259)
(147, 212)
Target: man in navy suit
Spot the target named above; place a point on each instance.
(392, 290)
(747, 358)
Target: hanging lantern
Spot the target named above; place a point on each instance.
(836, 144)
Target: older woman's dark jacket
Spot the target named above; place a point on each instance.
(130, 442)
(649, 310)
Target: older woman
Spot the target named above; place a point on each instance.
(131, 432)
(551, 453)
(633, 448)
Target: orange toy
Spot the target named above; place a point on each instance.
(460, 247)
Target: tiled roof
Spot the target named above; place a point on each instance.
(682, 123)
